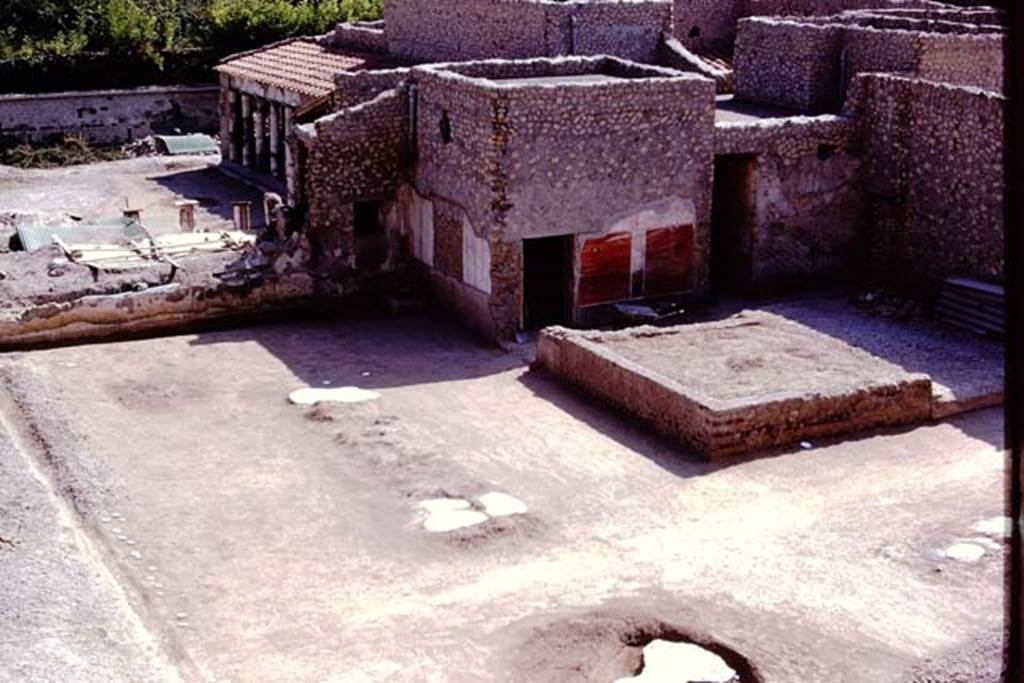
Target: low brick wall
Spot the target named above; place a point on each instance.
(108, 116)
(778, 415)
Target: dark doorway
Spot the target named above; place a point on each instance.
(370, 238)
(547, 281)
(732, 223)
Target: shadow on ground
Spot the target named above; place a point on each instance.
(372, 350)
(213, 190)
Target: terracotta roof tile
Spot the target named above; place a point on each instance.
(301, 65)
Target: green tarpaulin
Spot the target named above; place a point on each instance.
(196, 143)
(39, 234)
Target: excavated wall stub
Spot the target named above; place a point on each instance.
(751, 382)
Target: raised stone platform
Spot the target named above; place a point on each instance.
(750, 382)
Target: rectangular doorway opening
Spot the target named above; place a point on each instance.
(547, 281)
(371, 241)
(732, 223)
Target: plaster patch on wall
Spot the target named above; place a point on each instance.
(476, 259)
(421, 227)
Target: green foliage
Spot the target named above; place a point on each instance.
(142, 30)
(69, 151)
(254, 22)
(132, 32)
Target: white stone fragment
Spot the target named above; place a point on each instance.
(501, 504)
(806, 445)
(448, 514)
(993, 526)
(964, 552)
(453, 519)
(436, 505)
(310, 395)
(665, 662)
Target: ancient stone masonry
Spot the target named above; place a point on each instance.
(108, 116)
(355, 154)
(710, 25)
(525, 160)
(807, 208)
(530, 184)
(806, 64)
(443, 30)
(719, 406)
(933, 177)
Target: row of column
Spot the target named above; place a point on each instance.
(256, 133)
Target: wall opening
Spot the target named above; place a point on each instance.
(445, 127)
(547, 281)
(371, 241)
(732, 223)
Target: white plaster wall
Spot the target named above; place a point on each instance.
(421, 227)
(476, 259)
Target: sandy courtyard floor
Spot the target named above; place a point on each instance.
(168, 514)
(151, 184)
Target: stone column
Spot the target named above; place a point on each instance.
(289, 160)
(260, 135)
(247, 130)
(275, 138)
(243, 215)
(225, 112)
(234, 134)
(187, 214)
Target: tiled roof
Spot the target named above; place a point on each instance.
(301, 65)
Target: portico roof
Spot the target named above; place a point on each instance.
(300, 65)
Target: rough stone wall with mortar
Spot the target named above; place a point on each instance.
(809, 212)
(716, 20)
(530, 161)
(109, 116)
(788, 63)
(933, 177)
(973, 60)
(799, 64)
(356, 154)
(362, 38)
(356, 87)
(441, 30)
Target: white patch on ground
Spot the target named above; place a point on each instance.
(310, 395)
(501, 504)
(449, 514)
(666, 662)
(993, 526)
(964, 552)
(985, 542)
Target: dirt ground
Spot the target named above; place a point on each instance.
(223, 533)
(752, 359)
(152, 184)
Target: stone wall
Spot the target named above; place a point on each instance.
(356, 87)
(524, 160)
(361, 37)
(807, 65)
(441, 30)
(808, 212)
(356, 154)
(788, 63)
(973, 60)
(711, 24)
(933, 174)
(108, 116)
